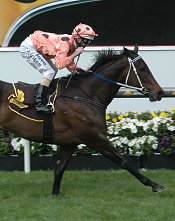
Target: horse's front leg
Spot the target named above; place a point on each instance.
(64, 157)
(101, 144)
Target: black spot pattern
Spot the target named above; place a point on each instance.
(65, 38)
(45, 35)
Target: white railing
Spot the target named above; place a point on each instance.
(27, 167)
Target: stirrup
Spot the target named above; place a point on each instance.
(43, 110)
(50, 104)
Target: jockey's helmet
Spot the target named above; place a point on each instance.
(83, 31)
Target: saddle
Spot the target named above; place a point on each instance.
(22, 101)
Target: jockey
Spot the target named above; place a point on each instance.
(49, 52)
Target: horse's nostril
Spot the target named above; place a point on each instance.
(160, 95)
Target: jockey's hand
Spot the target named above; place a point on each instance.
(78, 51)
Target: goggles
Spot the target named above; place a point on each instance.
(86, 41)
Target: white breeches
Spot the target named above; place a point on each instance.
(30, 54)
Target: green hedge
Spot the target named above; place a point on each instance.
(131, 133)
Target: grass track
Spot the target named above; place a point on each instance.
(86, 196)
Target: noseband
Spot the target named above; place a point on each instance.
(126, 85)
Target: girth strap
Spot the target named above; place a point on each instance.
(47, 128)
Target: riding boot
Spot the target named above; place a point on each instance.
(42, 100)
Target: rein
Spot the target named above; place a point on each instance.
(126, 85)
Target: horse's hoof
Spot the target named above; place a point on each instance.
(158, 188)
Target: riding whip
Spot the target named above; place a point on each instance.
(72, 73)
(76, 62)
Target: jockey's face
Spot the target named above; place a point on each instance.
(82, 42)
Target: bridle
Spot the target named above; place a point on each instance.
(132, 66)
(142, 89)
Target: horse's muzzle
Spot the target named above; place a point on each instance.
(155, 95)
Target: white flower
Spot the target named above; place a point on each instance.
(154, 146)
(137, 145)
(131, 143)
(155, 128)
(81, 146)
(130, 151)
(124, 140)
(145, 127)
(117, 143)
(143, 139)
(171, 128)
(54, 147)
(138, 153)
(110, 129)
(32, 147)
(134, 129)
(150, 139)
(16, 144)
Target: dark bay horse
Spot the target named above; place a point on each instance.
(79, 116)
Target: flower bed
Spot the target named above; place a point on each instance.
(142, 134)
(137, 134)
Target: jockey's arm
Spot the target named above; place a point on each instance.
(62, 60)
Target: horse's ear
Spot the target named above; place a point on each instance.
(125, 50)
(136, 48)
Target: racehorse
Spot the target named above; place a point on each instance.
(80, 110)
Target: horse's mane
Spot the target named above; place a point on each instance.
(104, 56)
(100, 59)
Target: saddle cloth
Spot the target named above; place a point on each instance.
(22, 101)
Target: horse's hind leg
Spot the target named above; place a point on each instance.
(64, 157)
(105, 147)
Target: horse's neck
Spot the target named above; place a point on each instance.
(103, 91)
(91, 87)
(96, 90)
(1, 87)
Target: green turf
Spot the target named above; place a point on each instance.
(86, 196)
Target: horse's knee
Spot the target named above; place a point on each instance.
(59, 168)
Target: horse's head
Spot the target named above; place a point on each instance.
(140, 77)
(126, 69)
